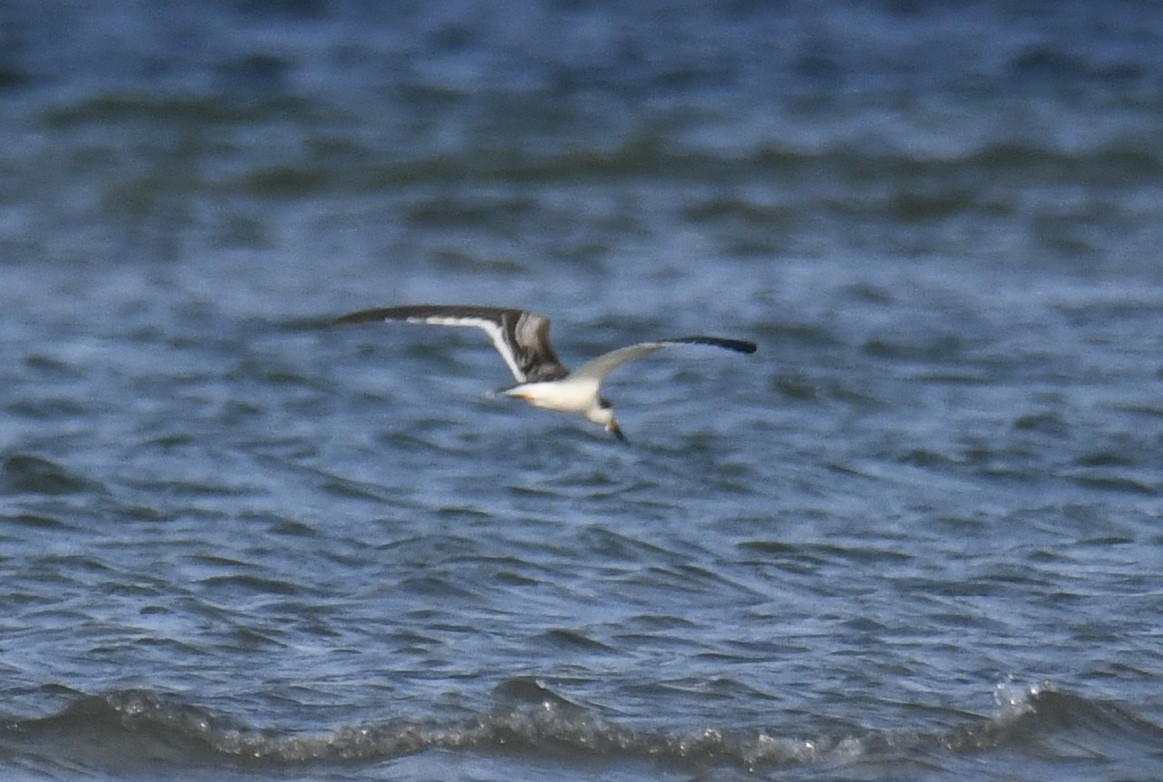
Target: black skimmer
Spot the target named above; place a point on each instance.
(522, 339)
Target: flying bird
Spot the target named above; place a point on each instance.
(522, 339)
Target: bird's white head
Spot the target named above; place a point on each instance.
(603, 415)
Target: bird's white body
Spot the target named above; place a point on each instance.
(569, 395)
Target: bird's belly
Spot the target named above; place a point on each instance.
(561, 395)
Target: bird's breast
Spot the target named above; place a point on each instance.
(567, 395)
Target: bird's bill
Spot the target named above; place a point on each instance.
(616, 430)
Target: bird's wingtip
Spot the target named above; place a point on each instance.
(738, 345)
(363, 316)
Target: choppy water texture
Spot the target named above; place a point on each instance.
(916, 536)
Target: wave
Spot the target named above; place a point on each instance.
(142, 731)
(711, 143)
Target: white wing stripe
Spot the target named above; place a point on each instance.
(491, 327)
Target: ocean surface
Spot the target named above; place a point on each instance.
(917, 536)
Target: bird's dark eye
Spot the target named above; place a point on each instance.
(604, 403)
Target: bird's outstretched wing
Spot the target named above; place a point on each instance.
(598, 368)
(522, 338)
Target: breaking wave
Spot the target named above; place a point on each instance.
(143, 731)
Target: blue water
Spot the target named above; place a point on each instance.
(915, 536)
